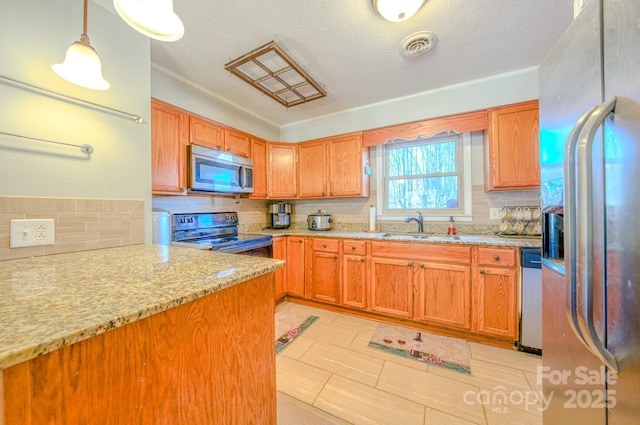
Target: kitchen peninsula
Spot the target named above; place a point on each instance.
(143, 334)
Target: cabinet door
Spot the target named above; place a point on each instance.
(169, 140)
(354, 281)
(313, 169)
(323, 284)
(512, 149)
(295, 266)
(282, 160)
(391, 286)
(346, 167)
(280, 253)
(205, 133)
(237, 142)
(495, 302)
(444, 294)
(259, 156)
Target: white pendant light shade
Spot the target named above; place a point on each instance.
(397, 10)
(82, 66)
(153, 18)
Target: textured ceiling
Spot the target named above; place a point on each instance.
(352, 52)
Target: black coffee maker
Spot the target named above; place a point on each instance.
(553, 232)
(279, 215)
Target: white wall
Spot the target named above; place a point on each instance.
(174, 90)
(36, 34)
(492, 91)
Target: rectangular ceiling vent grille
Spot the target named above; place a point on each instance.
(270, 70)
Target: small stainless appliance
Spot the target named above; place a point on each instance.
(215, 171)
(320, 221)
(161, 226)
(279, 215)
(218, 231)
(531, 296)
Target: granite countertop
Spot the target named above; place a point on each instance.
(53, 301)
(481, 239)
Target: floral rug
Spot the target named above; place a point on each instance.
(289, 325)
(441, 351)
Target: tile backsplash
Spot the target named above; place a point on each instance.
(80, 224)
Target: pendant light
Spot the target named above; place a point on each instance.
(397, 10)
(81, 64)
(153, 18)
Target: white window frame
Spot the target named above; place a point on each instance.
(463, 213)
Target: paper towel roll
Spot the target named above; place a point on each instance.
(372, 218)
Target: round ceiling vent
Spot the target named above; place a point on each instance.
(418, 43)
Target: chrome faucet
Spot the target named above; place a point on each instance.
(417, 220)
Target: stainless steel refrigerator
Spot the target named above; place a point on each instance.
(590, 158)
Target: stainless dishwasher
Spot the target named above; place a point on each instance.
(531, 301)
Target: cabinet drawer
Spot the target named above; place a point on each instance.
(326, 245)
(505, 257)
(355, 247)
(447, 253)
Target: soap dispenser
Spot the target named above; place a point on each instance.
(452, 227)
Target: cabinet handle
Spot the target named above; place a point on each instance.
(481, 271)
(362, 260)
(324, 193)
(219, 146)
(330, 193)
(410, 264)
(324, 245)
(353, 247)
(228, 149)
(421, 266)
(497, 258)
(300, 241)
(335, 257)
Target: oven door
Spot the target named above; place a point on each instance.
(221, 172)
(256, 248)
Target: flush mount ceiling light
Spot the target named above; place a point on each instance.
(153, 18)
(81, 64)
(270, 70)
(397, 10)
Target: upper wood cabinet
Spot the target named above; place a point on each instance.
(282, 161)
(259, 156)
(512, 152)
(169, 138)
(205, 133)
(333, 167)
(237, 142)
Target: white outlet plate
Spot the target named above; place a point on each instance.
(31, 232)
(495, 213)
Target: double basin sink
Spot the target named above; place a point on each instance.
(424, 236)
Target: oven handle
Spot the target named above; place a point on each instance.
(243, 176)
(239, 248)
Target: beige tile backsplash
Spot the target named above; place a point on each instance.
(80, 224)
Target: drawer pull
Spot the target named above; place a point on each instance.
(410, 264)
(324, 245)
(481, 271)
(497, 258)
(353, 247)
(362, 260)
(335, 257)
(421, 266)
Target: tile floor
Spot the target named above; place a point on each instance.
(329, 375)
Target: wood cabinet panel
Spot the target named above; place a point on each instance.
(295, 266)
(347, 175)
(420, 251)
(280, 253)
(183, 365)
(354, 247)
(444, 294)
(392, 287)
(313, 169)
(259, 156)
(512, 148)
(169, 140)
(205, 133)
(237, 142)
(495, 302)
(326, 245)
(354, 281)
(324, 282)
(282, 160)
(501, 257)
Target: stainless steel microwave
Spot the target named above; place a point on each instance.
(216, 171)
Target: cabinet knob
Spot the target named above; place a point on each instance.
(362, 260)
(324, 245)
(421, 266)
(353, 247)
(410, 264)
(324, 193)
(219, 146)
(481, 271)
(497, 258)
(300, 241)
(335, 257)
(331, 193)
(228, 149)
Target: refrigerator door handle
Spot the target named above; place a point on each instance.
(570, 182)
(585, 223)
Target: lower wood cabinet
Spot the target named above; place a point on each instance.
(295, 270)
(443, 294)
(355, 270)
(323, 282)
(280, 253)
(391, 286)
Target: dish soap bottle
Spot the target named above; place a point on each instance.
(451, 231)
